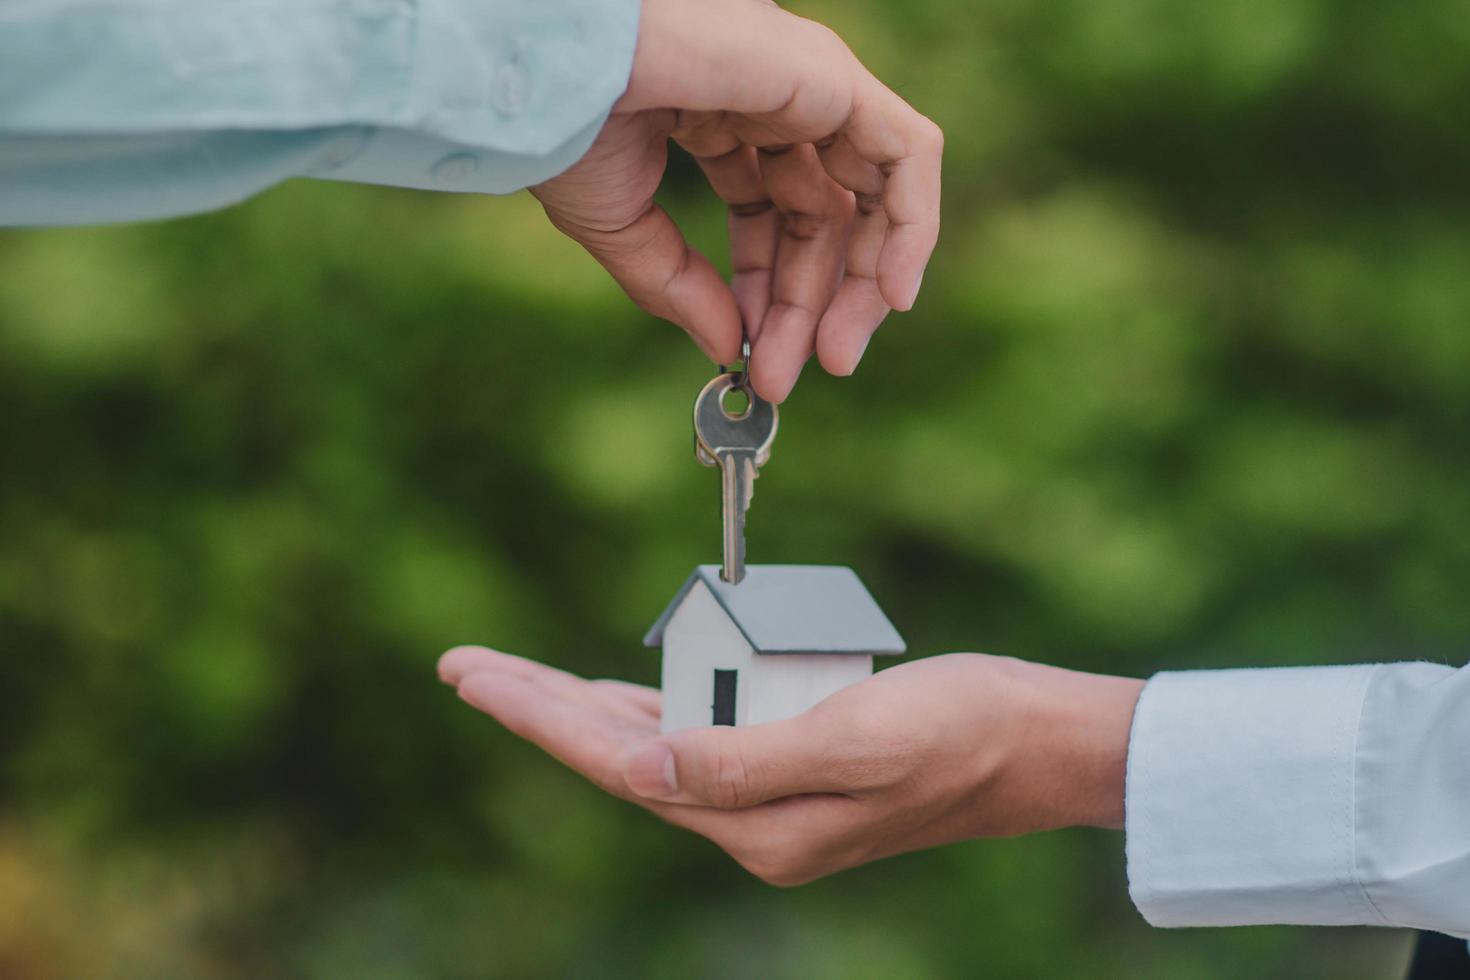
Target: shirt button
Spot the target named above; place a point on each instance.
(455, 169)
(511, 90)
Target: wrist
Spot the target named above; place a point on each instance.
(735, 55)
(1075, 745)
(678, 42)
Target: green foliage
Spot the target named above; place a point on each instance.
(1186, 388)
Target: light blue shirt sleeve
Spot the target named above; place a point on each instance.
(116, 110)
(1319, 795)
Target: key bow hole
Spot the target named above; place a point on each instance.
(736, 402)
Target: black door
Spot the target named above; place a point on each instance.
(724, 706)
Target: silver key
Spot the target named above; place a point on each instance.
(739, 445)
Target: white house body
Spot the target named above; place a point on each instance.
(767, 649)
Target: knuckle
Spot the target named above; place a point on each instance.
(731, 784)
(803, 226)
(752, 209)
(931, 137)
(826, 41)
(871, 770)
(831, 64)
(875, 750)
(868, 204)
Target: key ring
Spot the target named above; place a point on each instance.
(742, 377)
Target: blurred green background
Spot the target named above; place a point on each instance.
(1186, 388)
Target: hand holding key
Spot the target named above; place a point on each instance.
(739, 443)
(830, 178)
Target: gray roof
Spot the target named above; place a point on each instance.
(795, 609)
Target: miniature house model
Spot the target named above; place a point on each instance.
(769, 648)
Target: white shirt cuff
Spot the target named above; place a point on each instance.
(1240, 798)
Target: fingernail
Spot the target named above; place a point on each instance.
(650, 771)
(858, 357)
(914, 293)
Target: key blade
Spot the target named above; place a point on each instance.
(736, 467)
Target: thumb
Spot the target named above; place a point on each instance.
(731, 768)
